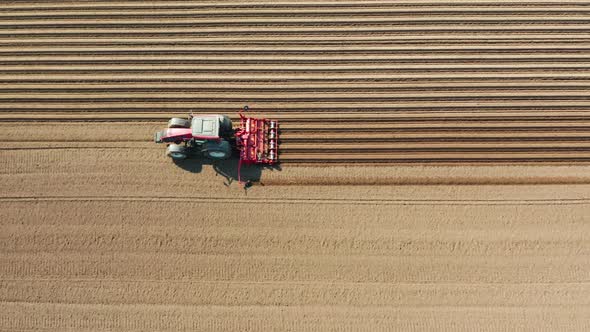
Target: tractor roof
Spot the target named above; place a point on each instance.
(205, 125)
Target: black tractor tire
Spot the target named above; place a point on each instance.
(177, 152)
(225, 125)
(217, 150)
(179, 123)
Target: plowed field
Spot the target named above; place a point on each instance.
(434, 170)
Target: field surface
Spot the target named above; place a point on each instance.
(435, 166)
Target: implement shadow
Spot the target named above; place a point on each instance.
(228, 169)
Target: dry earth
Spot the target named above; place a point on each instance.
(434, 171)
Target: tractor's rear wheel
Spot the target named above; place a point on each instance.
(177, 152)
(217, 150)
(179, 123)
(225, 125)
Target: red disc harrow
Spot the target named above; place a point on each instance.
(258, 141)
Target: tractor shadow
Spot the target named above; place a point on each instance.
(228, 169)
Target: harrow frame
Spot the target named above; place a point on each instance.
(257, 140)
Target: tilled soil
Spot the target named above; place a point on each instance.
(434, 168)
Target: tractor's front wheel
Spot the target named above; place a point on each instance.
(179, 123)
(177, 152)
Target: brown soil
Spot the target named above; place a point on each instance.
(434, 169)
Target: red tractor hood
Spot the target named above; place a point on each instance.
(176, 134)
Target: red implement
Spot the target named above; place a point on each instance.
(258, 141)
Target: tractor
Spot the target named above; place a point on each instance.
(213, 137)
(208, 135)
